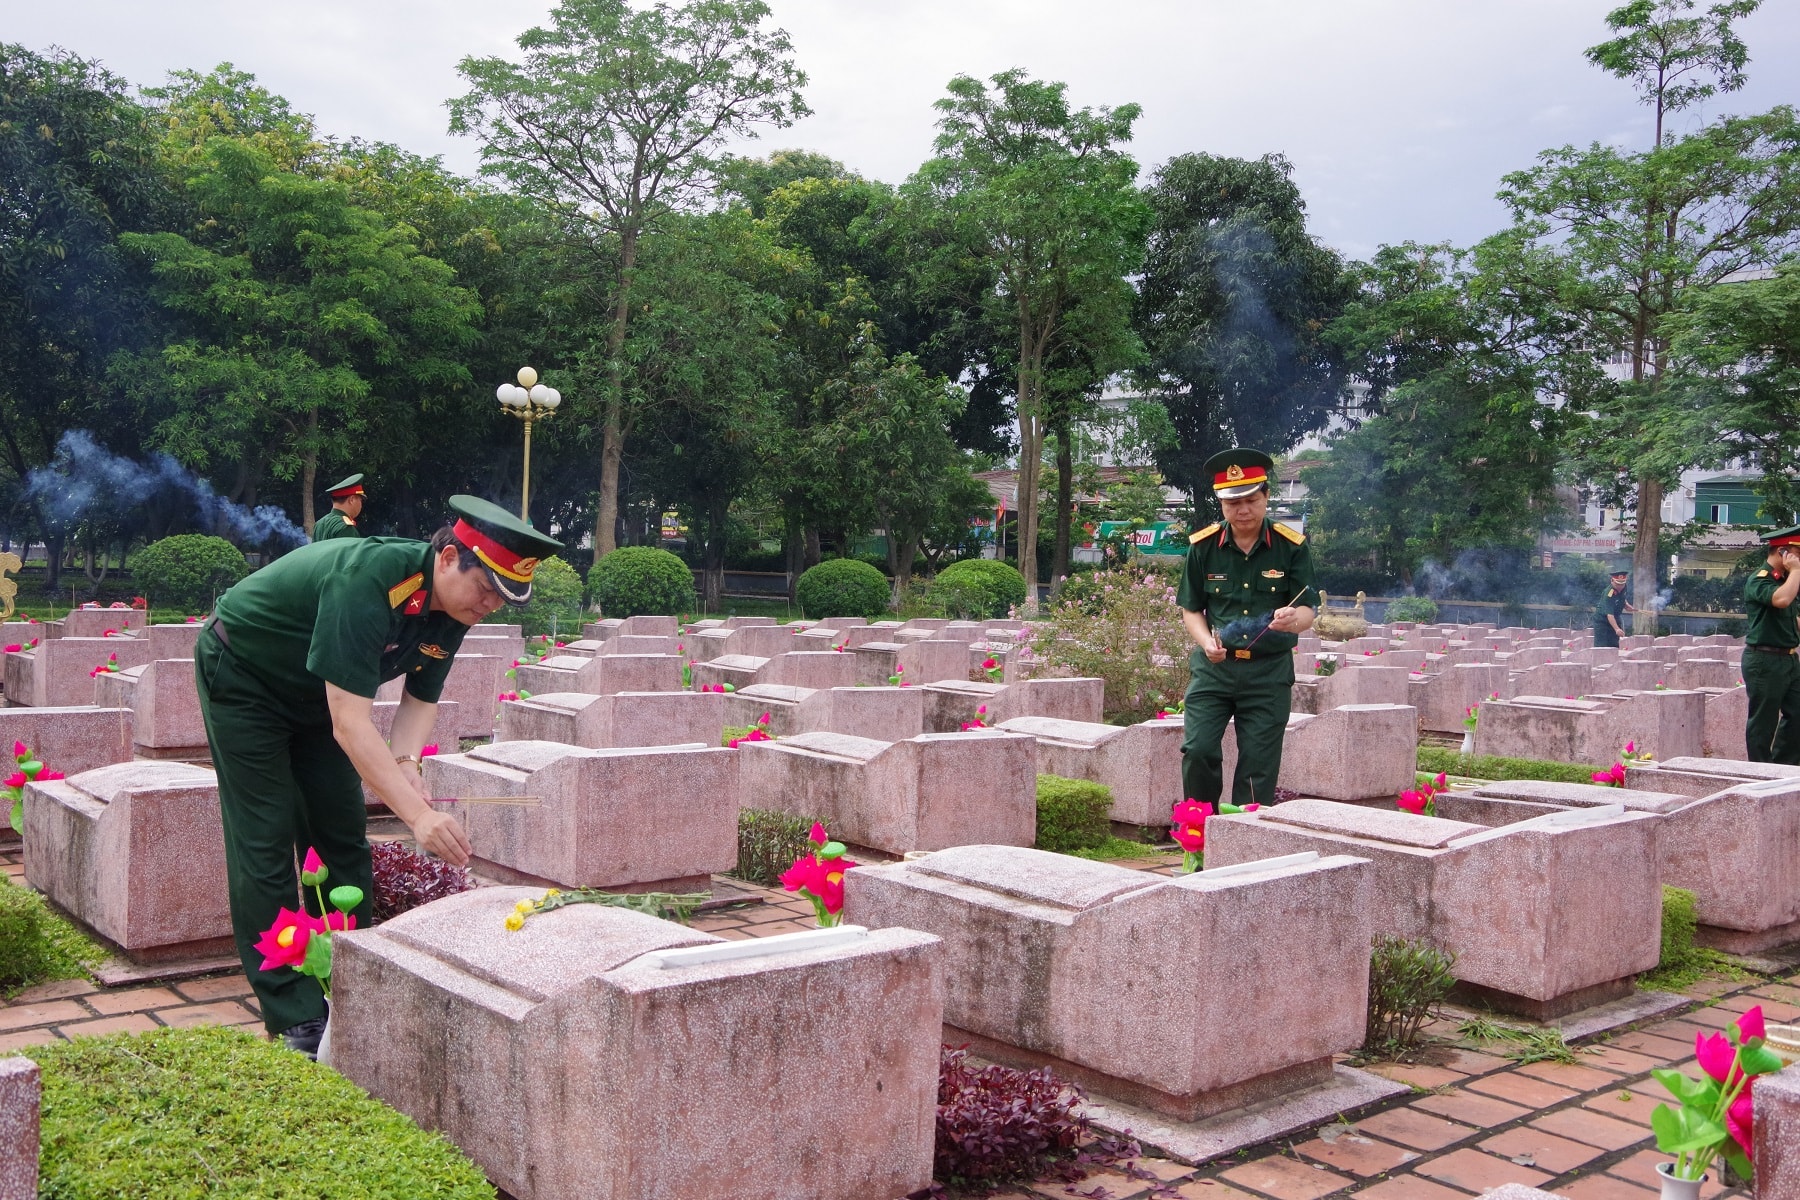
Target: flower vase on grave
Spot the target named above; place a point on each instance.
(1678, 1189)
(324, 1055)
(1468, 742)
(1784, 1041)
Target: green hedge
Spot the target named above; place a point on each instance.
(186, 571)
(1489, 766)
(1072, 814)
(219, 1113)
(555, 601)
(634, 580)
(977, 588)
(1420, 609)
(843, 587)
(36, 945)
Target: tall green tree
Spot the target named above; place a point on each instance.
(1045, 194)
(78, 168)
(611, 117)
(1737, 353)
(291, 302)
(1233, 302)
(1607, 243)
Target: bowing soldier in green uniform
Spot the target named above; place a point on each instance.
(1771, 668)
(1240, 595)
(1611, 609)
(346, 507)
(287, 670)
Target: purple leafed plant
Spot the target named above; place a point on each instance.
(995, 1123)
(405, 879)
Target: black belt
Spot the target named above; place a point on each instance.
(1782, 650)
(218, 631)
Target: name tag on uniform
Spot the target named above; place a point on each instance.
(1210, 577)
(433, 651)
(1273, 574)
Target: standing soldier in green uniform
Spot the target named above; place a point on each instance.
(1239, 594)
(1607, 629)
(1771, 668)
(287, 671)
(346, 506)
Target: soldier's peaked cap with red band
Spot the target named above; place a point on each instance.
(1239, 472)
(1783, 537)
(345, 488)
(508, 548)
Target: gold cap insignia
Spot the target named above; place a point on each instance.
(525, 566)
(1234, 472)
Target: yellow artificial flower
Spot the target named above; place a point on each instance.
(515, 921)
(524, 906)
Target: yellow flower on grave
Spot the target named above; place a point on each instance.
(524, 906)
(551, 892)
(515, 921)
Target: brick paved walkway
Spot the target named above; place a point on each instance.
(1474, 1121)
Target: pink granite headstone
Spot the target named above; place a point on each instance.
(21, 1094)
(603, 1053)
(1776, 1135)
(619, 720)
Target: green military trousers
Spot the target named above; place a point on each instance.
(1772, 732)
(284, 785)
(1258, 694)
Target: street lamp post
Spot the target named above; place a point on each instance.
(530, 401)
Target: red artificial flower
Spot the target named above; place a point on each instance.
(283, 944)
(1739, 1120)
(21, 751)
(1415, 802)
(428, 751)
(47, 774)
(1441, 783)
(16, 780)
(763, 720)
(14, 648)
(801, 874)
(338, 922)
(829, 883)
(988, 664)
(1188, 825)
(1750, 1026)
(816, 835)
(110, 633)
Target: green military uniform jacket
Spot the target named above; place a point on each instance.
(1768, 625)
(1237, 592)
(334, 524)
(1611, 603)
(355, 612)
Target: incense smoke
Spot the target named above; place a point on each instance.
(84, 475)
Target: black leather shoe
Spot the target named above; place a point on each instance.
(305, 1036)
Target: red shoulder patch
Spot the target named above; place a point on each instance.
(416, 604)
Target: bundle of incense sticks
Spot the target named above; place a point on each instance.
(526, 801)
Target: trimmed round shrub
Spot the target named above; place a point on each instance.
(1072, 814)
(635, 580)
(1421, 610)
(222, 1113)
(977, 588)
(555, 600)
(187, 571)
(843, 587)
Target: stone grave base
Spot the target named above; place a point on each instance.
(1738, 941)
(200, 756)
(1544, 1010)
(1597, 1019)
(1346, 1092)
(1187, 1109)
(725, 892)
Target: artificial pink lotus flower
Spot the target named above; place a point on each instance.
(21, 751)
(1441, 783)
(816, 835)
(47, 774)
(1416, 803)
(283, 944)
(1716, 1055)
(428, 751)
(1188, 825)
(14, 648)
(1750, 1027)
(16, 780)
(312, 869)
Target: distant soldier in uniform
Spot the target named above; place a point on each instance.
(1771, 668)
(287, 670)
(346, 507)
(1607, 629)
(1240, 588)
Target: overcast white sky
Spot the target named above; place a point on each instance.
(1399, 115)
